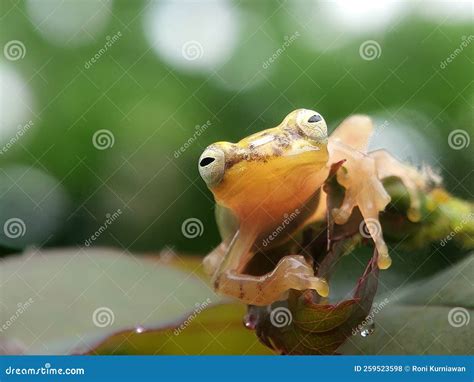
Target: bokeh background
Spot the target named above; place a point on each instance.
(106, 105)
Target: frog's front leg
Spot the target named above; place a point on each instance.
(363, 189)
(213, 260)
(228, 226)
(292, 272)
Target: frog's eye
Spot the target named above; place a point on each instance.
(211, 166)
(315, 118)
(312, 125)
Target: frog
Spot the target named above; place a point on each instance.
(269, 185)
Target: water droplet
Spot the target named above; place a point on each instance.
(250, 321)
(368, 330)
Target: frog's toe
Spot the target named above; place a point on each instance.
(384, 261)
(320, 285)
(341, 215)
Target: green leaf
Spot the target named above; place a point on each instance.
(435, 316)
(321, 318)
(306, 324)
(68, 301)
(217, 330)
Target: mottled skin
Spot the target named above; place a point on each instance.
(269, 184)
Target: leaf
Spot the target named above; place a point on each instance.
(69, 300)
(306, 325)
(429, 317)
(217, 330)
(321, 318)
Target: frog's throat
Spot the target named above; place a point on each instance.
(262, 198)
(268, 207)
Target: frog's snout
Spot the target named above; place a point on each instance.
(211, 165)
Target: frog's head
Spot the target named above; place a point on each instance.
(269, 170)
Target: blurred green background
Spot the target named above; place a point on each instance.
(150, 72)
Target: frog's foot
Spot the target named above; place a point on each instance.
(212, 261)
(363, 189)
(413, 180)
(292, 272)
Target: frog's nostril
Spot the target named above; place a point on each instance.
(315, 118)
(205, 161)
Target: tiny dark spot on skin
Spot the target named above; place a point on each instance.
(241, 294)
(315, 118)
(232, 158)
(277, 151)
(283, 141)
(230, 163)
